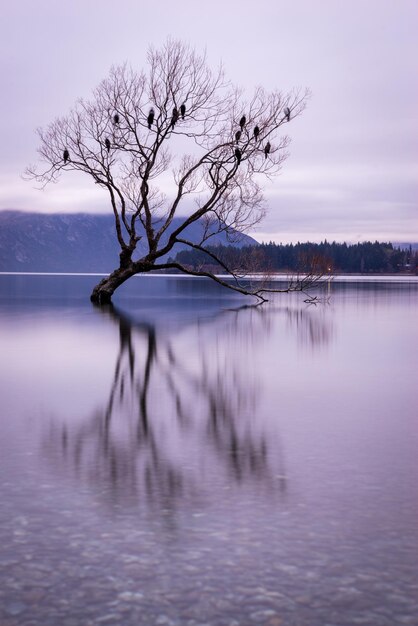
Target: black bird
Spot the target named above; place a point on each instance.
(116, 119)
(237, 136)
(107, 144)
(287, 113)
(183, 111)
(66, 155)
(174, 117)
(242, 121)
(256, 132)
(267, 149)
(150, 118)
(238, 155)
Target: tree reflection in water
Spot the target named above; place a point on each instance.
(313, 331)
(180, 419)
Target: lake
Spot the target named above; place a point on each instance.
(186, 458)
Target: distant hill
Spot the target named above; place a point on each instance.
(79, 242)
(406, 245)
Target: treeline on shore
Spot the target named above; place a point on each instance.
(365, 257)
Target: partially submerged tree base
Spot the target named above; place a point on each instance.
(125, 139)
(104, 290)
(101, 296)
(257, 287)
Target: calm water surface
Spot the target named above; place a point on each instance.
(182, 459)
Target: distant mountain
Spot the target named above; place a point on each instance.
(79, 242)
(406, 245)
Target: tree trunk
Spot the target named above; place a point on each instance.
(103, 292)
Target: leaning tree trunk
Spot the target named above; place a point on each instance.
(103, 292)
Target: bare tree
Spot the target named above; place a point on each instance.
(128, 138)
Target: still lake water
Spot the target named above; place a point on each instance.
(182, 459)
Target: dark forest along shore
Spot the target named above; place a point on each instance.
(185, 458)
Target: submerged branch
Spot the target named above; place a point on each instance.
(300, 284)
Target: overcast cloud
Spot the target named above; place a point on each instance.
(353, 169)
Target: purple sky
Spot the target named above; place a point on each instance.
(353, 170)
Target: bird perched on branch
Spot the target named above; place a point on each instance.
(267, 149)
(183, 111)
(238, 155)
(237, 136)
(256, 132)
(107, 144)
(174, 117)
(116, 119)
(150, 118)
(287, 113)
(66, 155)
(242, 121)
